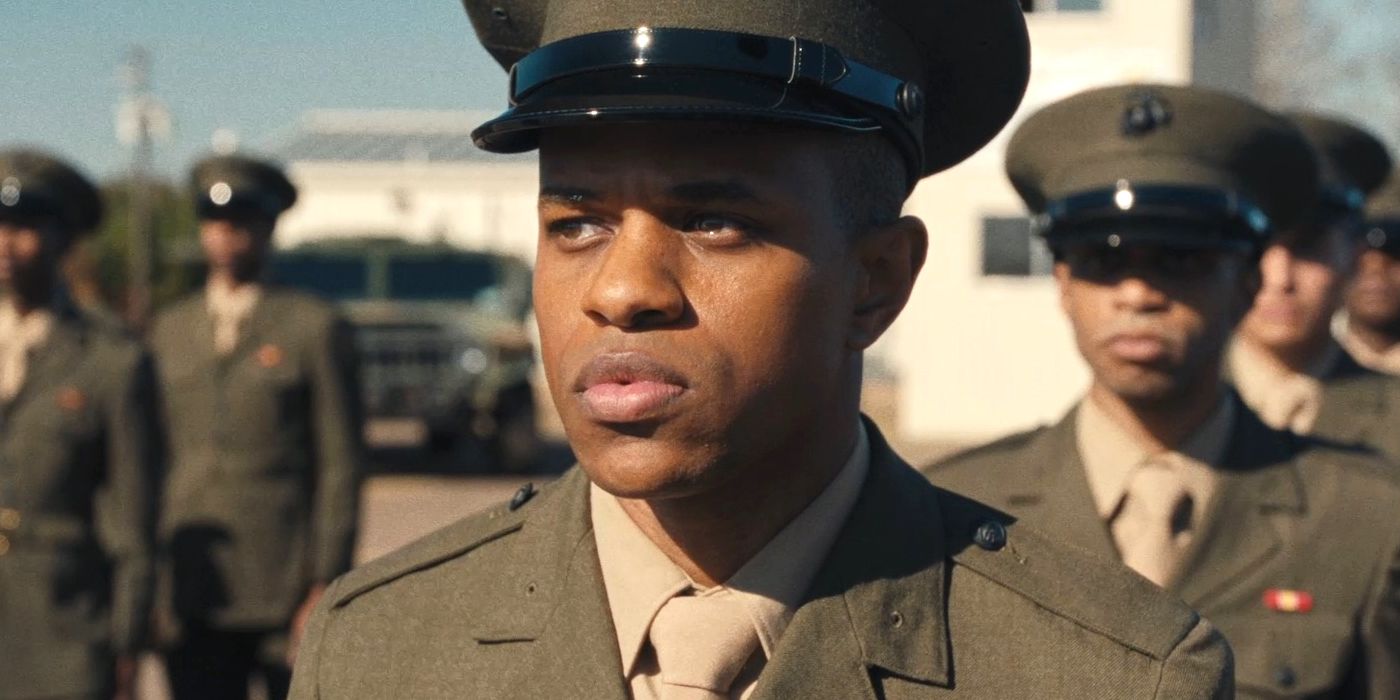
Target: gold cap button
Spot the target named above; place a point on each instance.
(9, 519)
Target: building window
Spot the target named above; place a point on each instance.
(1062, 5)
(1011, 249)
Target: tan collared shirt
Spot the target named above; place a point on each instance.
(19, 335)
(640, 578)
(229, 308)
(1284, 399)
(1386, 361)
(1111, 455)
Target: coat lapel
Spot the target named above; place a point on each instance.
(877, 606)
(552, 604)
(1056, 497)
(1259, 481)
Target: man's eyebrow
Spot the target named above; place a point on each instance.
(559, 194)
(714, 191)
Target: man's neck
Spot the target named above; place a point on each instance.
(25, 304)
(1160, 424)
(1299, 358)
(711, 535)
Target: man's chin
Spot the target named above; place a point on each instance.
(648, 469)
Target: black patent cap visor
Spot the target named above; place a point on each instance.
(648, 75)
(1186, 218)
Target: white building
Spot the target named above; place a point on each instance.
(982, 349)
(412, 174)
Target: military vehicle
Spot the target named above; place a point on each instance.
(445, 356)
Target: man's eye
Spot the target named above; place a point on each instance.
(718, 226)
(579, 229)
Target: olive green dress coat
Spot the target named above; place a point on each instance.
(265, 460)
(1291, 514)
(78, 493)
(923, 595)
(1360, 406)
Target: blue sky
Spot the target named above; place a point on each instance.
(253, 66)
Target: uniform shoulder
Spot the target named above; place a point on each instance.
(1100, 596)
(974, 460)
(177, 313)
(446, 544)
(302, 303)
(1321, 458)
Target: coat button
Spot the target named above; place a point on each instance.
(522, 496)
(9, 519)
(1286, 677)
(4, 545)
(990, 535)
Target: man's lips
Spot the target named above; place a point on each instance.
(1137, 347)
(627, 387)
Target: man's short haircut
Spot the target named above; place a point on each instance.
(870, 182)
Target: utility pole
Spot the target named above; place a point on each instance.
(139, 119)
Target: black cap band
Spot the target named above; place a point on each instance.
(605, 75)
(20, 203)
(1217, 218)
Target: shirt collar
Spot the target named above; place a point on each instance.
(234, 302)
(1110, 453)
(1386, 361)
(640, 578)
(30, 330)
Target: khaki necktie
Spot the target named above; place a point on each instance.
(701, 643)
(1156, 513)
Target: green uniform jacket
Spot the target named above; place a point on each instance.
(78, 495)
(265, 459)
(510, 605)
(1291, 514)
(1360, 406)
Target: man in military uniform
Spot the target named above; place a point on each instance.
(1371, 333)
(77, 456)
(1157, 202)
(1285, 361)
(720, 239)
(262, 414)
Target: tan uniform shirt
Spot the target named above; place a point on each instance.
(640, 578)
(18, 336)
(1111, 456)
(230, 308)
(1284, 399)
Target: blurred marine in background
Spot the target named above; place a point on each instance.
(261, 408)
(1157, 202)
(1371, 332)
(1285, 361)
(78, 482)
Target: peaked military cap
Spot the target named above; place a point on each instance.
(1382, 230)
(237, 186)
(34, 184)
(940, 77)
(1353, 162)
(1158, 156)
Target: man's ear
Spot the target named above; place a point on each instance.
(890, 258)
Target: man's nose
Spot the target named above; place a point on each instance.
(636, 285)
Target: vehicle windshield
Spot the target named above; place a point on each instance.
(334, 278)
(442, 278)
